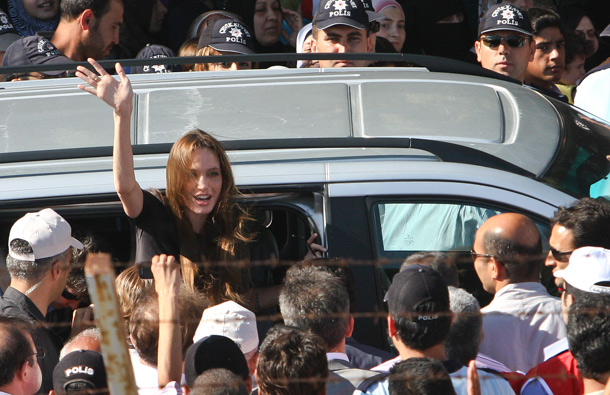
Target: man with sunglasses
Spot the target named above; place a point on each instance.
(505, 42)
(522, 319)
(584, 223)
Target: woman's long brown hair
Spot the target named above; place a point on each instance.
(223, 252)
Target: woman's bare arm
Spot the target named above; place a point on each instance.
(119, 96)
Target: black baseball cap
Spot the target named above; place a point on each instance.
(415, 286)
(341, 12)
(34, 50)
(80, 366)
(227, 35)
(153, 51)
(213, 352)
(370, 11)
(505, 17)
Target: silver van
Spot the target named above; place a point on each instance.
(375, 161)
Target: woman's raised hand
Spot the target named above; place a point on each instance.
(116, 93)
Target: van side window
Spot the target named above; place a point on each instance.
(430, 226)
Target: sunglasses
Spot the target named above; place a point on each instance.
(69, 295)
(476, 255)
(560, 255)
(494, 42)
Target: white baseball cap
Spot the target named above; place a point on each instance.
(588, 270)
(46, 231)
(231, 320)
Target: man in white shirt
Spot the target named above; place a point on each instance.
(523, 318)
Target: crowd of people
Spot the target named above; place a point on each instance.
(184, 337)
(548, 45)
(191, 326)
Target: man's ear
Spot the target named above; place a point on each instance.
(391, 327)
(568, 299)
(350, 326)
(532, 49)
(314, 45)
(477, 50)
(86, 19)
(498, 272)
(369, 42)
(22, 373)
(56, 269)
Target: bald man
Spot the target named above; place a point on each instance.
(522, 319)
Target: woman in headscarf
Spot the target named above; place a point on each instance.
(438, 28)
(265, 18)
(30, 16)
(393, 23)
(576, 20)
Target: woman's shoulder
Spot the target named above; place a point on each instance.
(154, 204)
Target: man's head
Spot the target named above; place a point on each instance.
(586, 222)
(586, 300)
(587, 273)
(291, 362)
(219, 382)
(466, 331)
(317, 301)
(80, 372)
(439, 261)
(235, 322)
(337, 267)
(215, 352)
(98, 22)
(19, 369)
(505, 42)
(507, 249)
(549, 57)
(341, 26)
(418, 307)
(40, 250)
(420, 376)
(144, 322)
(89, 339)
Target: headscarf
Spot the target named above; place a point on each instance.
(25, 24)
(245, 9)
(303, 34)
(425, 35)
(380, 5)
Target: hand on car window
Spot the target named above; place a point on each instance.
(116, 93)
(314, 250)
